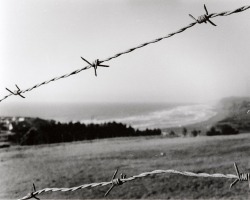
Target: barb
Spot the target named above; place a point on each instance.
(201, 19)
(123, 179)
(16, 92)
(240, 176)
(33, 194)
(95, 64)
(115, 182)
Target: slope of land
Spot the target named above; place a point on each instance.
(72, 164)
(231, 111)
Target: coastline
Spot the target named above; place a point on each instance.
(139, 116)
(34, 128)
(202, 126)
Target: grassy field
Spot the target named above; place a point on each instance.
(72, 164)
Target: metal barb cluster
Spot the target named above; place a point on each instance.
(241, 176)
(95, 64)
(115, 182)
(203, 18)
(32, 195)
(16, 92)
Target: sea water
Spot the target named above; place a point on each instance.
(138, 115)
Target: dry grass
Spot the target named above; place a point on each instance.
(72, 164)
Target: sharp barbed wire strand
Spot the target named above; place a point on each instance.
(123, 180)
(225, 13)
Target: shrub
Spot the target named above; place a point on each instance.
(227, 130)
(224, 129)
(212, 131)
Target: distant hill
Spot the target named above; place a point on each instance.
(231, 113)
(236, 112)
(230, 102)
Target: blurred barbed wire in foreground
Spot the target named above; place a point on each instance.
(119, 181)
(98, 63)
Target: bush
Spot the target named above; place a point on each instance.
(212, 131)
(224, 129)
(227, 130)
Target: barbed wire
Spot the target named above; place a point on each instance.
(123, 179)
(97, 63)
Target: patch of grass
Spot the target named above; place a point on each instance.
(72, 164)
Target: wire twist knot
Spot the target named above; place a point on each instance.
(203, 18)
(16, 92)
(31, 194)
(241, 176)
(95, 64)
(115, 182)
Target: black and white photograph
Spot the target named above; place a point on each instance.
(124, 99)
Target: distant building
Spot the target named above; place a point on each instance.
(10, 127)
(6, 123)
(164, 133)
(21, 119)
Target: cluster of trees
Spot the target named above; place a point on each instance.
(184, 132)
(39, 131)
(224, 129)
(193, 133)
(3, 127)
(218, 129)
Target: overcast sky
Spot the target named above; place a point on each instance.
(42, 39)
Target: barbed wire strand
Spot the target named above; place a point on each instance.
(145, 174)
(207, 16)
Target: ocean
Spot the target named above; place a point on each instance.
(138, 115)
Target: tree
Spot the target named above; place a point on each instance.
(227, 130)
(194, 133)
(30, 137)
(172, 133)
(184, 131)
(213, 131)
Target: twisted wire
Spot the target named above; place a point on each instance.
(142, 175)
(150, 42)
(226, 13)
(212, 15)
(57, 78)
